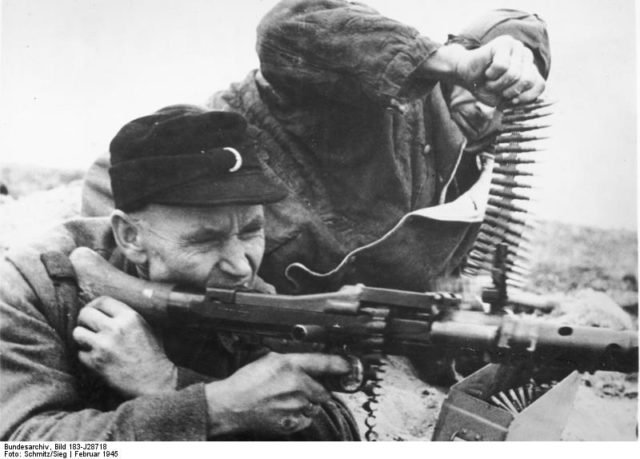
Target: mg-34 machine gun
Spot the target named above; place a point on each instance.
(366, 323)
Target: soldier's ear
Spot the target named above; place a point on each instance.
(128, 237)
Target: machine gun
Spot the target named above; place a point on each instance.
(363, 323)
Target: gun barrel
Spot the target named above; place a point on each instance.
(464, 335)
(598, 348)
(583, 348)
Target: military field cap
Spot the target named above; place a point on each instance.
(530, 29)
(184, 155)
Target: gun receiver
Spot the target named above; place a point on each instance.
(359, 320)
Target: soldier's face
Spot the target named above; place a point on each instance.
(475, 119)
(219, 246)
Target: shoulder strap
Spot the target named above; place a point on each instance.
(63, 316)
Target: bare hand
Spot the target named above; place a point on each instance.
(500, 72)
(118, 344)
(276, 394)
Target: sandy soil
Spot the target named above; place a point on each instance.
(24, 218)
(605, 407)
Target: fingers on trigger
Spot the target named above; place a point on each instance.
(319, 364)
(315, 392)
(311, 410)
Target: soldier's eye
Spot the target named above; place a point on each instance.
(203, 242)
(250, 234)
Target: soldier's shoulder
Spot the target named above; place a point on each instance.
(22, 265)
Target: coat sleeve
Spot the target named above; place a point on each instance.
(342, 51)
(39, 392)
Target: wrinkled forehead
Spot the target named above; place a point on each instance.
(219, 218)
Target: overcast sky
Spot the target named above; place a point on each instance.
(74, 71)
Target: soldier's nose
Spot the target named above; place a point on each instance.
(234, 263)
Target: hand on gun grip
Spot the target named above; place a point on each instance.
(277, 394)
(118, 344)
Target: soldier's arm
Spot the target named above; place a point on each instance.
(39, 391)
(342, 51)
(350, 53)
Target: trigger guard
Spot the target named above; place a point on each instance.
(354, 380)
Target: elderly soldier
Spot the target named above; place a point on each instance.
(364, 120)
(188, 194)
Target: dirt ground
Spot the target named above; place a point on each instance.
(605, 407)
(589, 277)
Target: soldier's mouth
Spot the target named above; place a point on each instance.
(246, 285)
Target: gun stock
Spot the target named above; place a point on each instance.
(97, 277)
